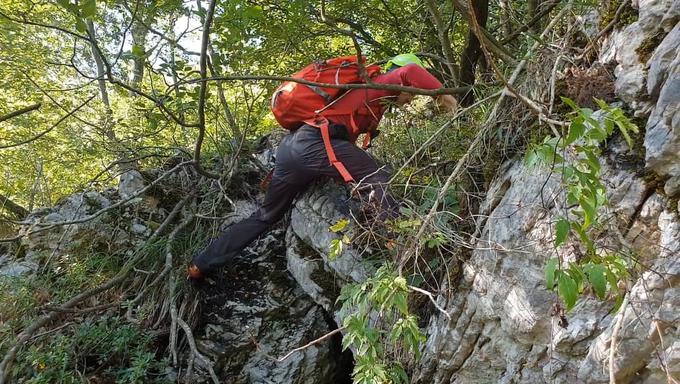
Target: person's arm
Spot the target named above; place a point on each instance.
(410, 75)
(413, 75)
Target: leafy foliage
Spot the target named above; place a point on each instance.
(125, 351)
(377, 319)
(576, 158)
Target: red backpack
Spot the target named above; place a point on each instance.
(295, 104)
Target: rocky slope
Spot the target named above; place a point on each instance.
(502, 324)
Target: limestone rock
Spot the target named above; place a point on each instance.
(129, 183)
(662, 136)
(263, 314)
(501, 320)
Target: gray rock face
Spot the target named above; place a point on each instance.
(662, 137)
(129, 183)
(261, 316)
(314, 213)
(651, 87)
(308, 242)
(501, 328)
(41, 244)
(17, 269)
(630, 73)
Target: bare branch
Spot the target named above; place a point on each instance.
(43, 133)
(443, 34)
(547, 8)
(428, 294)
(388, 87)
(202, 95)
(20, 112)
(485, 37)
(322, 338)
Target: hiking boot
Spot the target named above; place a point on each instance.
(193, 273)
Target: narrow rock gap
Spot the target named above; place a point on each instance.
(344, 360)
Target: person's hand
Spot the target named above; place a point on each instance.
(447, 103)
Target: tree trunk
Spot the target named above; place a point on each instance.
(472, 52)
(124, 164)
(139, 32)
(443, 34)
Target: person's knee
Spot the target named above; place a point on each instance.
(267, 217)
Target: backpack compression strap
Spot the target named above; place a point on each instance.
(322, 124)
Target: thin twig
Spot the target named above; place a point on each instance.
(428, 294)
(388, 87)
(324, 337)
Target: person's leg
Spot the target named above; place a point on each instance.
(370, 178)
(222, 250)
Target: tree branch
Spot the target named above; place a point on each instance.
(485, 37)
(442, 33)
(202, 94)
(43, 133)
(547, 9)
(388, 87)
(20, 112)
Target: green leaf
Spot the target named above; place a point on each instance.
(569, 102)
(80, 25)
(400, 303)
(597, 279)
(339, 226)
(566, 286)
(593, 162)
(138, 50)
(590, 212)
(576, 130)
(335, 249)
(88, 8)
(625, 134)
(550, 268)
(531, 157)
(562, 228)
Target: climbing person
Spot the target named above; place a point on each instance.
(304, 155)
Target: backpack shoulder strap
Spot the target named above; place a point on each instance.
(322, 123)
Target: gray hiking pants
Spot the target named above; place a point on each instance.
(300, 159)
